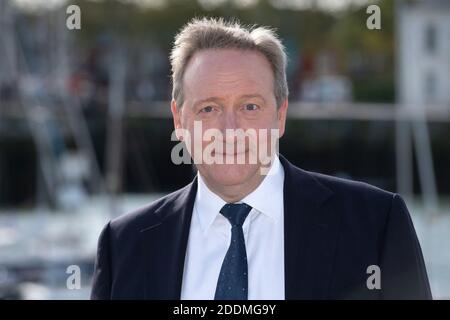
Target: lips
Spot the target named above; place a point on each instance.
(229, 154)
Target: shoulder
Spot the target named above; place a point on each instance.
(358, 190)
(149, 214)
(359, 203)
(355, 201)
(340, 188)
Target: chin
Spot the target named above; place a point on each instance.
(229, 174)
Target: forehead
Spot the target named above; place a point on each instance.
(227, 72)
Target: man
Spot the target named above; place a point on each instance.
(237, 232)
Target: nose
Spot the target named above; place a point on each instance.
(229, 121)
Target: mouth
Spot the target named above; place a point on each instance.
(214, 153)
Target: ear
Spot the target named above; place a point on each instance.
(282, 114)
(176, 114)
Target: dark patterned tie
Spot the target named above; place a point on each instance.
(233, 278)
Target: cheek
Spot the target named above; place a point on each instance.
(266, 121)
(186, 120)
(197, 130)
(269, 129)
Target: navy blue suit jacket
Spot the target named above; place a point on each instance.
(333, 230)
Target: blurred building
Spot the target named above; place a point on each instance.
(424, 54)
(322, 82)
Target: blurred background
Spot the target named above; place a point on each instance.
(85, 119)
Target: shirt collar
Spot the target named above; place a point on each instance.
(267, 198)
(208, 204)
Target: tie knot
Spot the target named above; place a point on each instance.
(236, 213)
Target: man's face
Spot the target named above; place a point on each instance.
(229, 89)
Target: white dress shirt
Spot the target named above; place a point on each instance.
(210, 236)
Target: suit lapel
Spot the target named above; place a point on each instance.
(164, 243)
(311, 227)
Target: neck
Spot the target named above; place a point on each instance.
(235, 193)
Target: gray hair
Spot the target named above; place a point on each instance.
(216, 33)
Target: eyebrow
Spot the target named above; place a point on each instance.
(216, 99)
(213, 99)
(255, 95)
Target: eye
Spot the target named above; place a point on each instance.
(207, 109)
(251, 107)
